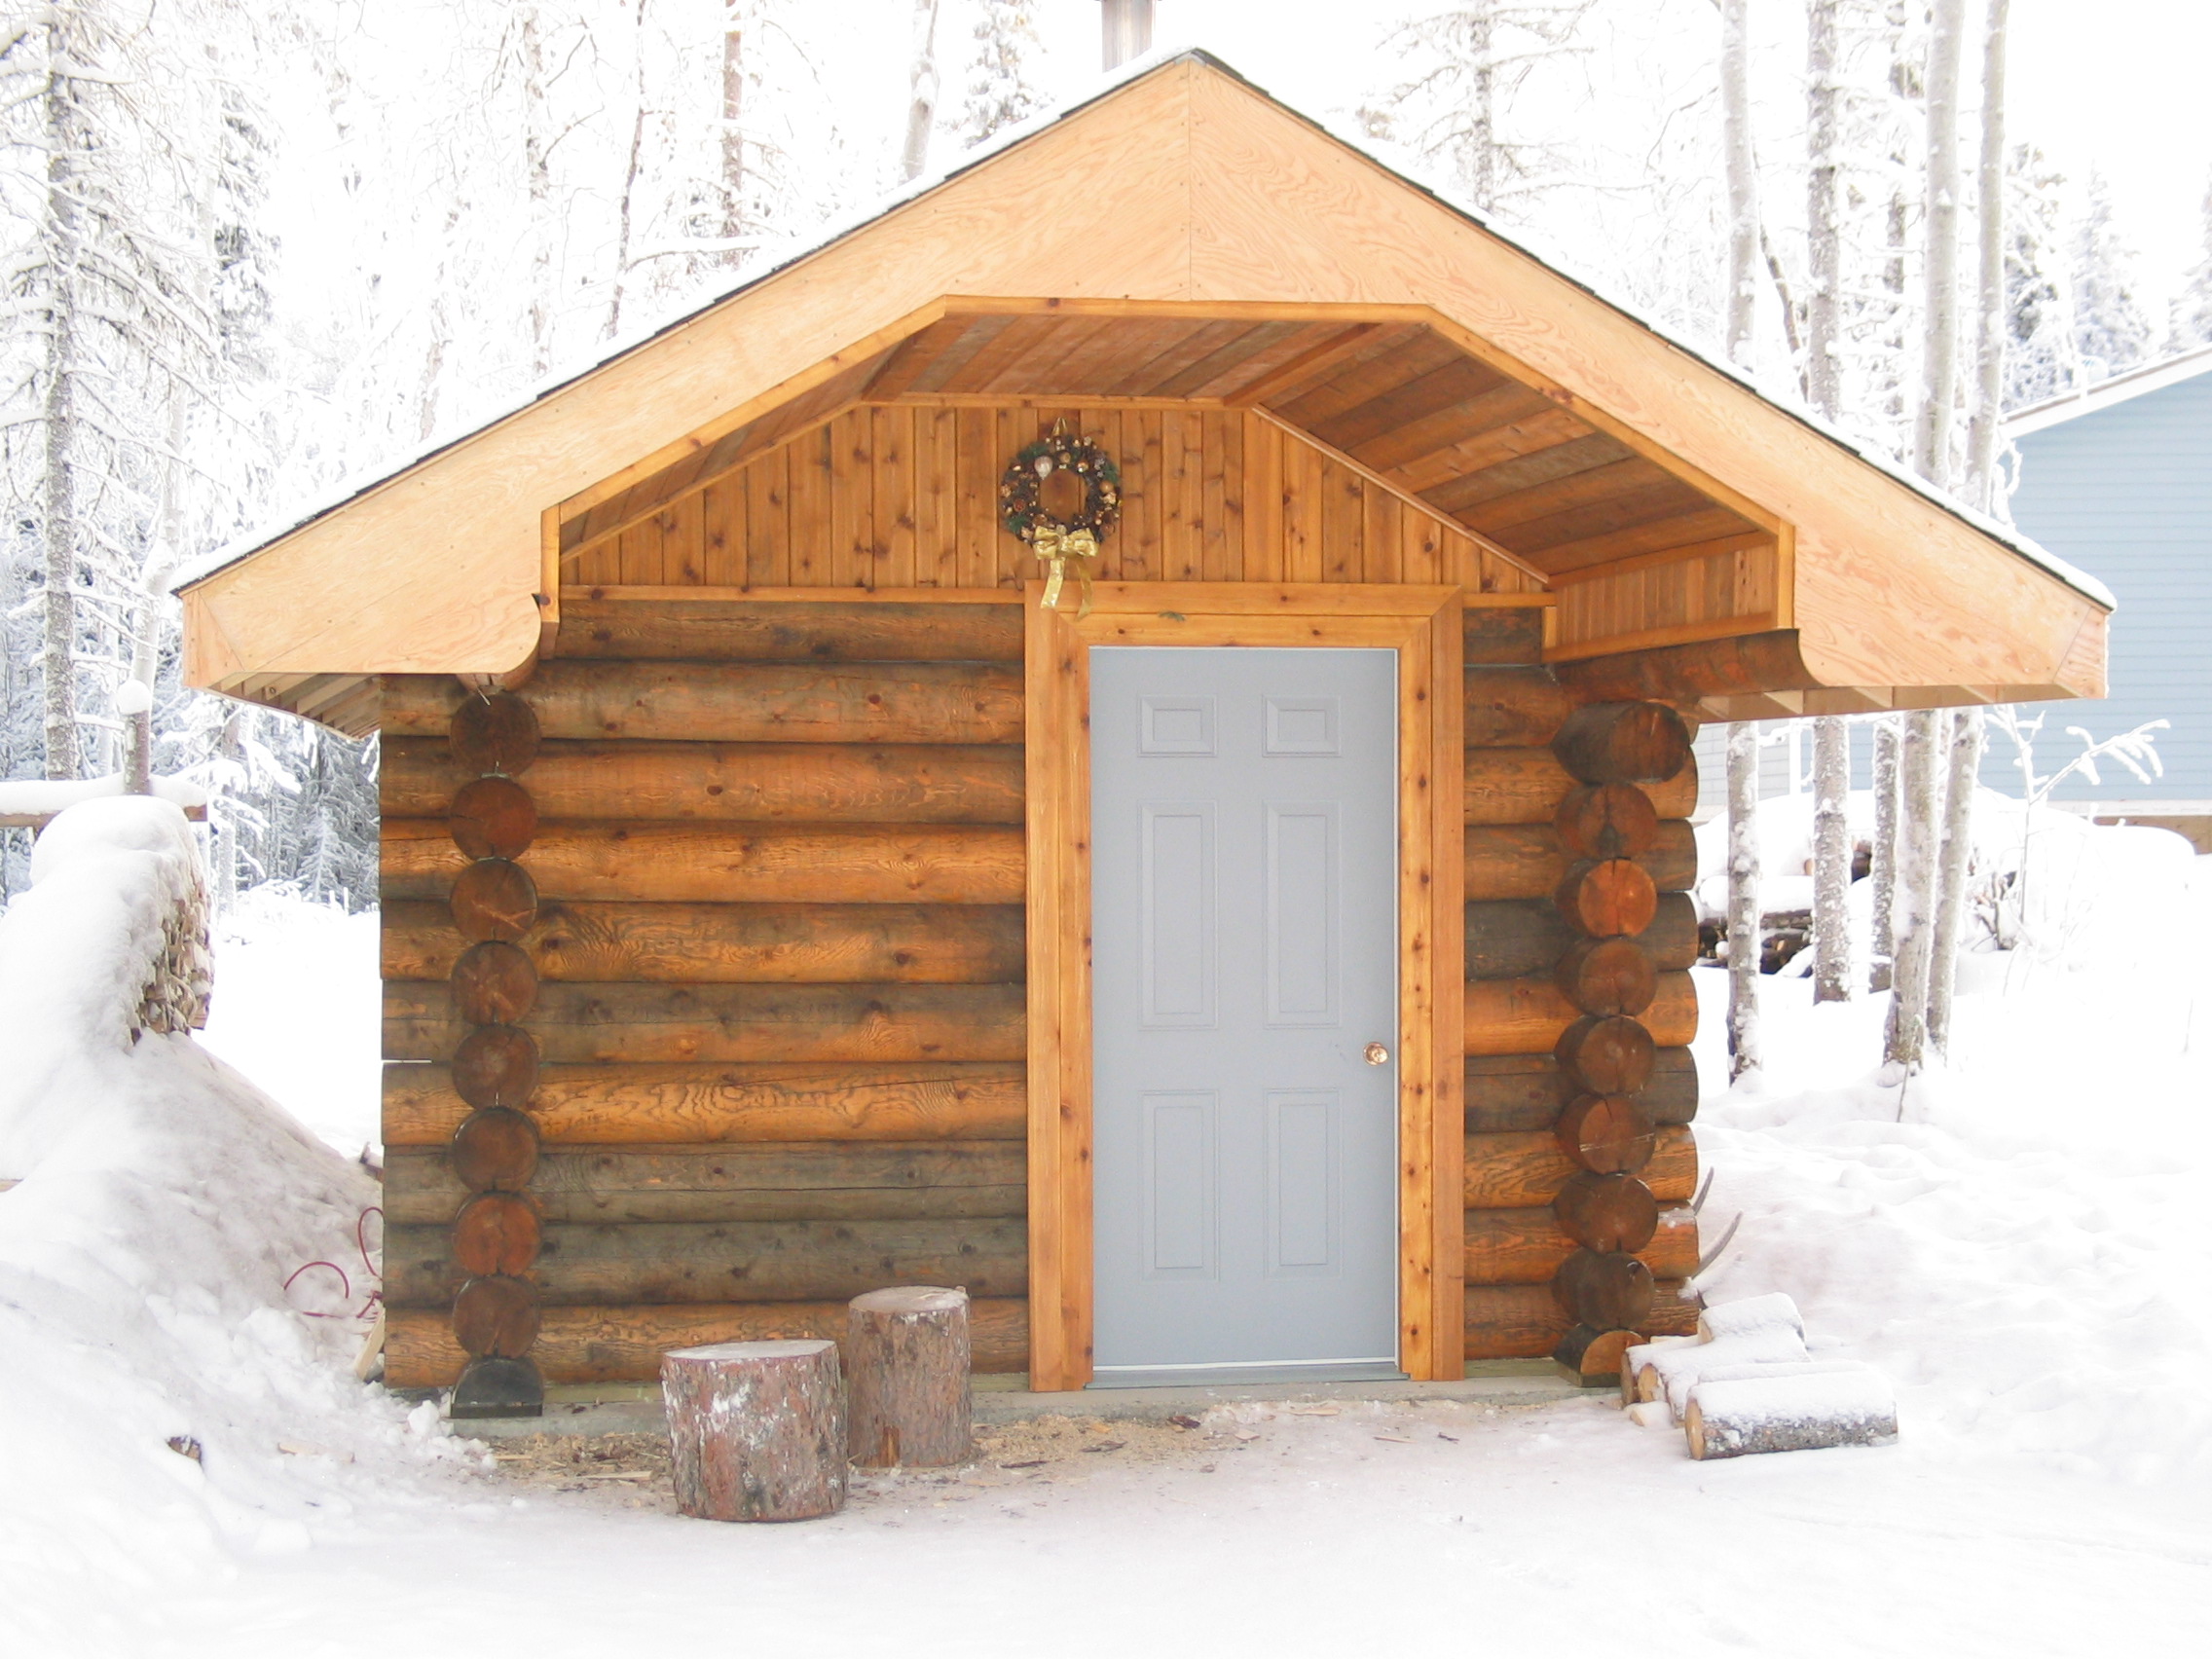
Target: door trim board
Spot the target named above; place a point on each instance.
(1422, 625)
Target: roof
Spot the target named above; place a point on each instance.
(2136, 382)
(1179, 193)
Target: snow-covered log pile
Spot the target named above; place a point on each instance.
(182, 1268)
(1747, 1383)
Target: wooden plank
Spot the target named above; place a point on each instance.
(892, 434)
(723, 511)
(606, 1022)
(828, 783)
(1056, 696)
(812, 481)
(732, 943)
(623, 1343)
(590, 1105)
(1431, 897)
(929, 702)
(729, 864)
(936, 498)
(705, 629)
(794, 1181)
(977, 508)
(582, 1263)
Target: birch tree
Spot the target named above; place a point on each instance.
(1469, 62)
(921, 92)
(1741, 313)
(1823, 251)
(1881, 968)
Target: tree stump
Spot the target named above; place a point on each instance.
(758, 1430)
(909, 1352)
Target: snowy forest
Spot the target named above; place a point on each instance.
(252, 254)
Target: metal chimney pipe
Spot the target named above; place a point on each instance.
(1126, 31)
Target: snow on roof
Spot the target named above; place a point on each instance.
(2153, 376)
(796, 250)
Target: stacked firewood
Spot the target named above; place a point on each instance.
(1746, 1384)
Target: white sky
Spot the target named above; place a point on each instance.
(2114, 85)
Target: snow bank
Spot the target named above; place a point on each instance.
(2014, 1237)
(163, 1203)
(38, 797)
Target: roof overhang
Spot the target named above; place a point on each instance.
(1184, 237)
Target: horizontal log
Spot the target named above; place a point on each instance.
(1525, 1168)
(1624, 743)
(774, 1181)
(735, 944)
(1526, 1091)
(753, 1261)
(814, 783)
(592, 1105)
(788, 631)
(1528, 1016)
(1525, 1321)
(722, 702)
(731, 863)
(1514, 706)
(624, 1344)
(1685, 675)
(1529, 861)
(613, 1020)
(1504, 634)
(1527, 1245)
(1517, 939)
(1526, 786)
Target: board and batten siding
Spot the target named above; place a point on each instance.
(2125, 490)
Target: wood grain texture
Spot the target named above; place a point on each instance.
(786, 943)
(1527, 1245)
(623, 1343)
(742, 702)
(1513, 939)
(1529, 1091)
(1529, 1016)
(728, 863)
(1525, 1321)
(582, 1264)
(592, 1105)
(1526, 861)
(760, 1181)
(1525, 1170)
(623, 1022)
(819, 782)
(1526, 786)
(726, 630)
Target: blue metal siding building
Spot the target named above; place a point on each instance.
(2118, 481)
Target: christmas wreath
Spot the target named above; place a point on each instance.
(1074, 538)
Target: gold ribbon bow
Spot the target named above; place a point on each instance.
(1059, 548)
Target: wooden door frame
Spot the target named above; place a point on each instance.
(1422, 625)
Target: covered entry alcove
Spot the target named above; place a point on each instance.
(736, 792)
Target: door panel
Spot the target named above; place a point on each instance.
(1244, 938)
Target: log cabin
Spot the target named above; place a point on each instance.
(1267, 960)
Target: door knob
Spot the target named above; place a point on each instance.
(1377, 1054)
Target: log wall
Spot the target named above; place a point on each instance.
(774, 947)
(775, 940)
(1580, 934)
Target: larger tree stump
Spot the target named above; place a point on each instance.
(909, 1351)
(758, 1430)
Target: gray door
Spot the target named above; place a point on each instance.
(1244, 904)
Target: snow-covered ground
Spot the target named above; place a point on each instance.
(2015, 1239)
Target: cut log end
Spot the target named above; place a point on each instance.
(492, 818)
(494, 734)
(1623, 743)
(1606, 821)
(756, 1430)
(1797, 1409)
(1593, 1359)
(909, 1352)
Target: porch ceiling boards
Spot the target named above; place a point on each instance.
(1490, 451)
